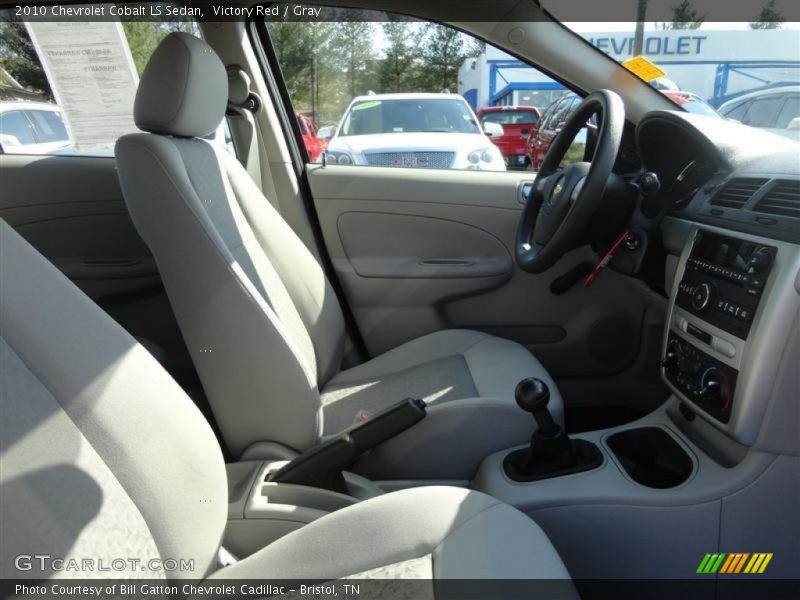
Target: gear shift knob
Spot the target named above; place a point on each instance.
(551, 452)
(532, 395)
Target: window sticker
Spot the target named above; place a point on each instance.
(93, 78)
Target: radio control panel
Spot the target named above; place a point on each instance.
(715, 302)
(724, 280)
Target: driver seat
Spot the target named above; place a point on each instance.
(262, 322)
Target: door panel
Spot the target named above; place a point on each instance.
(381, 225)
(72, 211)
(398, 246)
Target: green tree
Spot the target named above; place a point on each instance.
(290, 41)
(326, 64)
(352, 50)
(312, 78)
(684, 16)
(18, 57)
(443, 51)
(398, 69)
(144, 36)
(475, 47)
(768, 18)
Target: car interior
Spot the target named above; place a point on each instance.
(280, 369)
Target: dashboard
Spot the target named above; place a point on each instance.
(728, 207)
(722, 173)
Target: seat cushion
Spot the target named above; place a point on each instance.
(424, 533)
(439, 380)
(468, 380)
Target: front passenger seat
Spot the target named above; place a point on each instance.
(105, 460)
(262, 322)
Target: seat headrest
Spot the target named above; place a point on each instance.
(183, 90)
(238, 86)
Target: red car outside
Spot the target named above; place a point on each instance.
(314, 145)
(552, 121)
(518, 122)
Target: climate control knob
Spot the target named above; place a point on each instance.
(703, 296)
(670, 360)
(760, 261)
(715, 388)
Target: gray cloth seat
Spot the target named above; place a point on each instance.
(259, 316)
(467, 379)
(104, 456)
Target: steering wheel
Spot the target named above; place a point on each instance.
(562, 201)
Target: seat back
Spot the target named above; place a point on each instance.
(241, 121)
(257, 313)
(103, 455)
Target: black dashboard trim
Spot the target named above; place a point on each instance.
(739, 151)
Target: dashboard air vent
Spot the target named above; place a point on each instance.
(737, 192)
(783, 199)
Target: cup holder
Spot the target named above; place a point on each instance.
(651, 457)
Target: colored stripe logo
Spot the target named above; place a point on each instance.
(734, 563)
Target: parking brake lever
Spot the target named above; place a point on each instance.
(322, 465)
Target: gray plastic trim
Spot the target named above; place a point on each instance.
(758, 358)
(260, 511)
(681, 316)
(609, 484)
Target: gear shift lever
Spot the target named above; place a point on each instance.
(533, 396)
(551, 452)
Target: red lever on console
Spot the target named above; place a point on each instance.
(606, 258)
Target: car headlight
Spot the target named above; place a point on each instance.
(337, 157)
(481, 155)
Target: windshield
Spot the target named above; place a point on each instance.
(511, 117)
(704, 66)
(437, 115)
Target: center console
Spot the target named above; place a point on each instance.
(727, 322)
(261, 510)
(721, 289)
(678, 481)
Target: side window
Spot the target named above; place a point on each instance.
(391, 91)
(77, 99)
(577, 149)
(549, 118)
(764, 112)
(49, 125)
(789, 112)
(563, 112)
(15, 129)
(737, 112)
